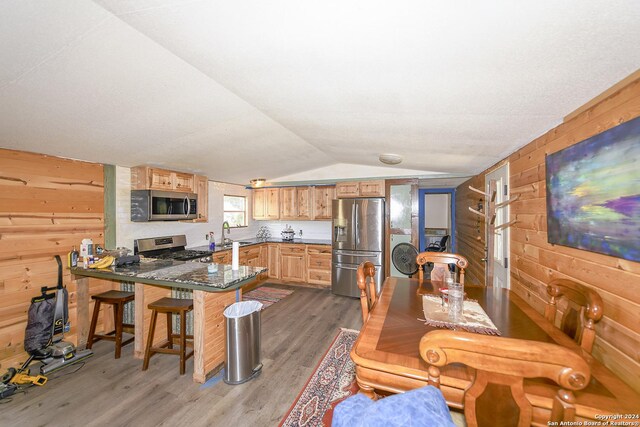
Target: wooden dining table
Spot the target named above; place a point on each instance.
(387, 358)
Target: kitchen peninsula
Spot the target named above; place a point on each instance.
(154, 279)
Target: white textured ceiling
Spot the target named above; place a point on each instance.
(241, 89)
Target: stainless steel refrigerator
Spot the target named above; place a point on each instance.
(358, 235)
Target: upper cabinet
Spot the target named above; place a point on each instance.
(295, 203)
(288, 203)
(266, 203)
(184, 182)
(360, 189)
(322, 201)
(150, 178)
(258, 200)
(202, 190)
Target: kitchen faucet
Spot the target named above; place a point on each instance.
(226, 226)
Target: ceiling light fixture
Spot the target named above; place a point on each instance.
(390, 159)
(258, 182)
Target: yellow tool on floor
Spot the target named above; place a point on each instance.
(21, 379)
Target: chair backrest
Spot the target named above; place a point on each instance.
(366, 270)
(440, 246)
(582, 308)
(441, 261)
(496, 396)
(443, 243)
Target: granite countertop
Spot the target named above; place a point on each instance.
(177, 274)
(255, 241)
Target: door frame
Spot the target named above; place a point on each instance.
(413, 232)
(452, 213)
(506, 232)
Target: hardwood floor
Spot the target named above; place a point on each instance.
(295, 334)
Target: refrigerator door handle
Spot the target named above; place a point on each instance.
(365, 254)
(356, 230)
(344, 267)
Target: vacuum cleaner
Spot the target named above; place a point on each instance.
(48, 320)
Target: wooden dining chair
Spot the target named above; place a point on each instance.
(496, 395)
(581, 308)
(441, 261)
(366, 270)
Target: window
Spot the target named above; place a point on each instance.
(235, 210)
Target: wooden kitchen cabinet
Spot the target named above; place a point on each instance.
(288, 203)
(251, 256)
(292, 262)
(183, 182)
(266, 203)
(322, 201)
(254, 256)
(319, 264)
(287, 262)
(273, 260)
(160, 179)
(295, 203)
(258, 200)
(304, 199)
(149, 178)
(272, 203)
(374, 188)
(202, 190)
(222, 257)
(347, 189)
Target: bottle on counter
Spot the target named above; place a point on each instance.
(212, 241)
(72, 258)
(86, 248)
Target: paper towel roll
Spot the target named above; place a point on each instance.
(235, 255)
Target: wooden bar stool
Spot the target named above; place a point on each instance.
(169, 306)
(117, 299)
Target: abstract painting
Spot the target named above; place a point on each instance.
(593, 193)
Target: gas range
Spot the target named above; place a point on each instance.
(167, 247)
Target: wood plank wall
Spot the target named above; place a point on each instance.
(470, 232)
(47, 205)
(534, 262)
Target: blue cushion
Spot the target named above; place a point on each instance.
(421, 407)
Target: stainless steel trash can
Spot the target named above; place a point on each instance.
(243, 361)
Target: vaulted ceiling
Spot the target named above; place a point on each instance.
(241, 89)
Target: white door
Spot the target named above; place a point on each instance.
(500, 256)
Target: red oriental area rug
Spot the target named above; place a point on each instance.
(266, 295)
(333, 380)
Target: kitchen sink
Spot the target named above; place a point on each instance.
(228, 245)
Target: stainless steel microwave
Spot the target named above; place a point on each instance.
(154, 205)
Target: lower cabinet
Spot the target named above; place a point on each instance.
(319, 264)
(287, 262)
(253, 257)
(273, 260)
(292, 263)
(222, 257)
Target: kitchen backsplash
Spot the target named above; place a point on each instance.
(310, 229)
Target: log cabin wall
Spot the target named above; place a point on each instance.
(534, 262)
(47, 205)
